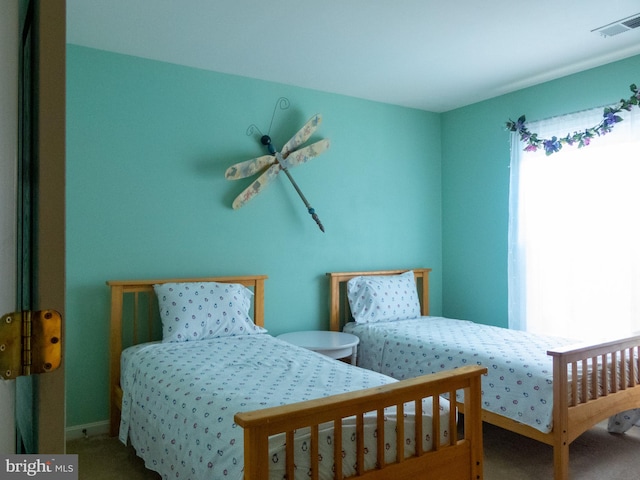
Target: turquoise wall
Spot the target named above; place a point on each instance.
(475, 182)
(147, 147)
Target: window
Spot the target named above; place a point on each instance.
(574, 232)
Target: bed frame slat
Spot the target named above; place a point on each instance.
(436, 423)
(574, 383)
(337, 448)
(288, 453)
(315, 468)
(380, 444)
(605, 377)
(453, 430)
(400, 432)
(418, 431)
(625, 379)
(584, 380)
(632, 370)
(360, 443)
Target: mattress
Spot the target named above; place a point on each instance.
(179, 400)
(519, 382)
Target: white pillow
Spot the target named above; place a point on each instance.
(378, 298)
(196, 311)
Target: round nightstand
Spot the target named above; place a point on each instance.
(332, 344)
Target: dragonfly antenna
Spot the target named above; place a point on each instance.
(283, 103)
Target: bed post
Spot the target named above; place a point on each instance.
(116, 346)
(473, 428)
(258, 301)
(256, 448)
(334, 305)
(560, 419)
(424, 274)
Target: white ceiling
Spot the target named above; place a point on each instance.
(434, 55)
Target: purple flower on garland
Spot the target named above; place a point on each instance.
(610, 118)
(552, 146)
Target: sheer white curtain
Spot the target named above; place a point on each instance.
(574, 231)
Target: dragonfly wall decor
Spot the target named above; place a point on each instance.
(270, 165)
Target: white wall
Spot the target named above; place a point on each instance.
(9, 45)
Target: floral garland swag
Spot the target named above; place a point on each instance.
(554, 144)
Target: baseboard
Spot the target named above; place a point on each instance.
(87, 430)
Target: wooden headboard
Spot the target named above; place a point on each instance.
(339, 310)
(135, 319)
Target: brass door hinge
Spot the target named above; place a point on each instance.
(30, 343)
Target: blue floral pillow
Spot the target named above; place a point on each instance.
(197, 311)
(379, 298)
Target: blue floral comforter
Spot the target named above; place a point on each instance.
(179, 400)
(519, 382)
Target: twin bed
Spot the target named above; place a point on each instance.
(202, 391)
(545, 388)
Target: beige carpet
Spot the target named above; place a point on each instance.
(596, 455)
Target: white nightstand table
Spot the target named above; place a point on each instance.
(332, 344)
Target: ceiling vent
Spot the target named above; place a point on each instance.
(620, 26)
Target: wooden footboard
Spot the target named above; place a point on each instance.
(591, 383)
(458, 458)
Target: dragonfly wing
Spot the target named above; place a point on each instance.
(257, 186)
(248, 167)
(305, 154)
(303, 135)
